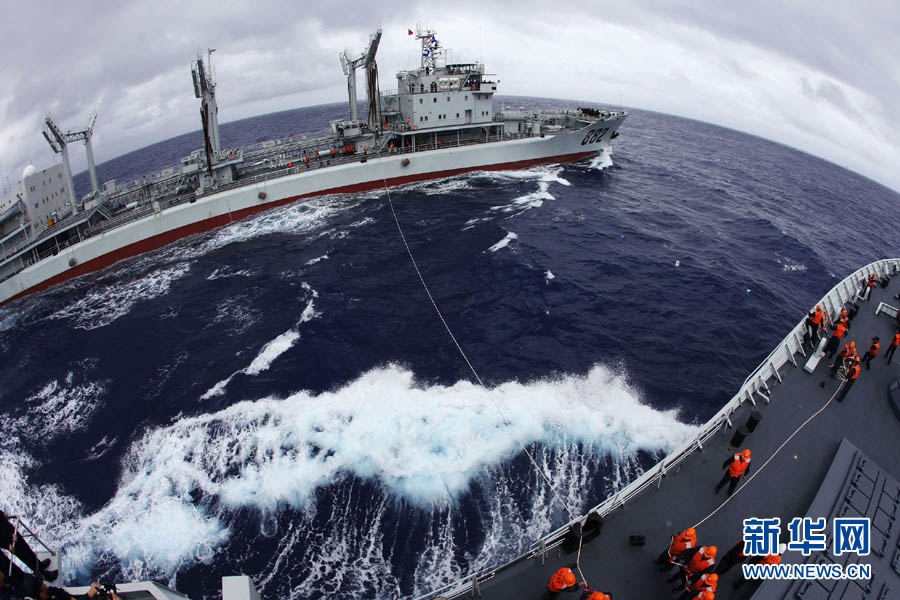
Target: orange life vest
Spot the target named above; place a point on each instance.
(840, 330)
(874, 349)
(704, 584)
(871, 281)
(816, 318)
(738, 466)
(699, 562)
(558, 581)
(681, 544)
(854, 372)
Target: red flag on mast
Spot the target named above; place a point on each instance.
(410, 31)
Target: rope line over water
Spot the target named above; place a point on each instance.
(472, 367)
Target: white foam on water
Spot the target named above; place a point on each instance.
(545, 175)
(424, 445)
(789, 264)
(313, 261)
(226, 271)
(601, 161)
(362, 222)
(472, 222)
(510, 236)
(101, 307)
(271, 350)
(549, 276)
(60, 407)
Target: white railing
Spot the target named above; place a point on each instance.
(754, 388)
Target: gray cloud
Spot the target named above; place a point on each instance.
(822, 79)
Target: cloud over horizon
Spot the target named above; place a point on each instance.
(822, 80)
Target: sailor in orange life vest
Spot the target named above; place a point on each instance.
(701, 562)
(846, 355)
(889, 355)
(814, 323)
(873, 352)
(679, 544)
(852, 374)
(735, 467)
(708, 582)
(835, 340)
(562, 581)
(590, 594)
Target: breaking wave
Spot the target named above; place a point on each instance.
(427, 446)
(510, 236)
(270, 351)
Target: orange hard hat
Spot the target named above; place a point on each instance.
(598, 596)
(856, 358)
(746, 452)
(690, 532)
(710, 551)
(843, 311)
(712, 578)
(569, 578)
(818, 307)
(707, 596)
(853, 344)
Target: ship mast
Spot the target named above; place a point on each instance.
(431, 49)
(205, 90)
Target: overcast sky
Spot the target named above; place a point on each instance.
(823, 77)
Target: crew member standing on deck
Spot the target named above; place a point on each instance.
(735, 468)
(813, 323)
(889, 355)
(852, 374)
(702, 562)
(562, 581)
(684, 541)
(839, 330)
(708, 582)
(873, 352)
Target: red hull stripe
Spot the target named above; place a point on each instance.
(162, 239)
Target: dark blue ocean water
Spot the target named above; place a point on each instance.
(278, 397)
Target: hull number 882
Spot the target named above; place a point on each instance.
(595, 135)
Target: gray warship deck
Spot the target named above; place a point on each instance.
(809, 468)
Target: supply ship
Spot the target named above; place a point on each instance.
(820, 449)
(439, 122)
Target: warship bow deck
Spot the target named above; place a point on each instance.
(843, 462)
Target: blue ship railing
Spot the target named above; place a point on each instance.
(754, 389)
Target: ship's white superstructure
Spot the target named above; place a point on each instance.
(441, 121)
